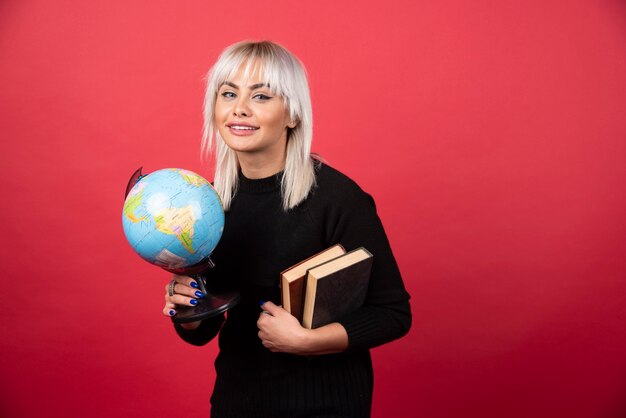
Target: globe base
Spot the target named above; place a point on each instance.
(213, 304)
(209, 306)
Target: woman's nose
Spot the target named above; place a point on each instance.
(241, 108)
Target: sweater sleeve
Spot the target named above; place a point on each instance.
(207, 330)
(350, 219)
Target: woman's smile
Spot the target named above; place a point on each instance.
(241, 128)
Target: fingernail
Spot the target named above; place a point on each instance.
(199, 294)
(194, 285)
(193, 302)
(172, 313)
(261, 302)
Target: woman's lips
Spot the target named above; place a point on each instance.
(241, 129)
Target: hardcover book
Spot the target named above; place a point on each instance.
(336, 288)
(292, 279)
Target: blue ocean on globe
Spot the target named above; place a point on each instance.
(173, 218)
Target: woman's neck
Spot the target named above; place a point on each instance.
(257, 167)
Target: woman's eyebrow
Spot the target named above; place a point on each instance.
(252, 87)
(258, 86)
(228, 83)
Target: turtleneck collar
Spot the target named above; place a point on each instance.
(264, 185)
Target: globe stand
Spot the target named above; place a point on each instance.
(210, 305)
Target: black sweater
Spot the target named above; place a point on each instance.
(260, 240)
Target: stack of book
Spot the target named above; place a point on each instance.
(326, 286)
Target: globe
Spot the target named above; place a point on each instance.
(173, 218)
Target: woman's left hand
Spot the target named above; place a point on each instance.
(280, 332)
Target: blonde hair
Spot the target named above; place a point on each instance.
(286, 77)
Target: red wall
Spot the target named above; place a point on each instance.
(492, 135)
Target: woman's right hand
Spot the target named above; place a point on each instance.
(181, 290)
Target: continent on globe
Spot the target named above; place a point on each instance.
(133, 202)
(191, 177)
(178, 222)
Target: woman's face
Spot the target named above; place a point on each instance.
(250, 118)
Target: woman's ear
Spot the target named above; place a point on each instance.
(292, 124)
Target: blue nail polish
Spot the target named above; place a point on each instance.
(193, 302)
(199, 294)
(172, 313)
(194, 285)
(261, 302)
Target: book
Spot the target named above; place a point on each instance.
(336, 288)
(292, 279)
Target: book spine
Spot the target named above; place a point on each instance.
(284, 288)
(310, 285)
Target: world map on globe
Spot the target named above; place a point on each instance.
(173, 218)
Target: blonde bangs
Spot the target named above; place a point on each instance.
(258, 59)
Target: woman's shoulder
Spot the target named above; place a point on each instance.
(334, 185)
(329, 177)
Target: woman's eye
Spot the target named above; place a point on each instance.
(261, 96)
(228, 94)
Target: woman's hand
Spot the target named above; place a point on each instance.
(280, 332)
(181, 290)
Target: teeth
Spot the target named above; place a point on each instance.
(243, 128)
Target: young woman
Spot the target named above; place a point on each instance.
(282, 206)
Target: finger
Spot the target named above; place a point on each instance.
(186, 280)
(260, 322)
(182, 300)
(263, 338)
(169, 311)
(269, 346)
(271, 308)
(183, 289)
(264, 321)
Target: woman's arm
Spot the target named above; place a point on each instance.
(347, 215)
(280, 331)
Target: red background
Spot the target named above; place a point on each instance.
(491, 133)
